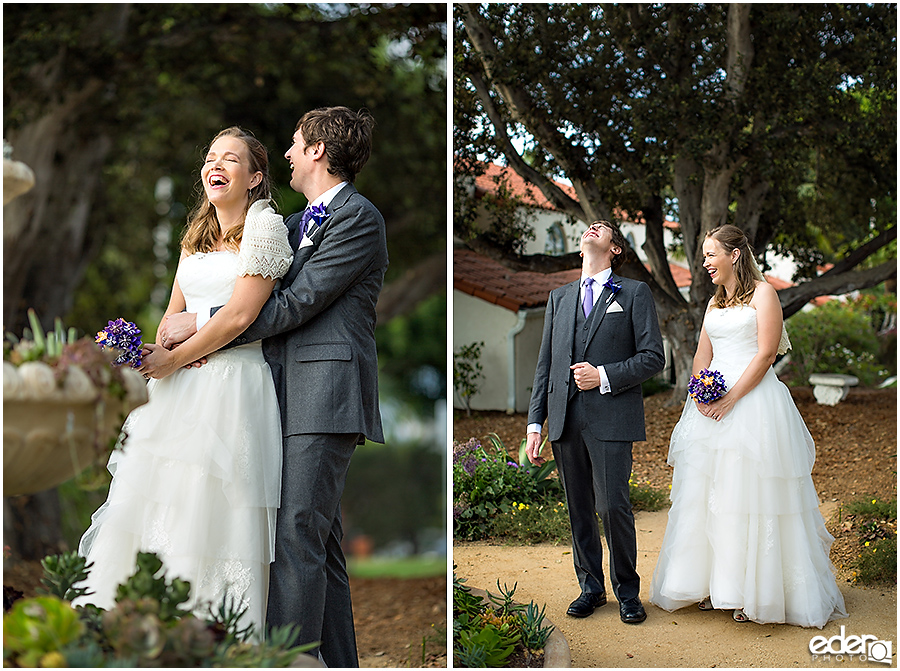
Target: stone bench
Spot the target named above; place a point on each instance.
(831, 389)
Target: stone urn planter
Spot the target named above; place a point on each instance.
(53, 429)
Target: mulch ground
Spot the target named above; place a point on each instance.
(856, 447)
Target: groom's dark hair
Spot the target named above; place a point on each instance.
(347, 136)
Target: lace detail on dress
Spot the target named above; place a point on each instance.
(265, 249)
(228, 576)
(158, 540)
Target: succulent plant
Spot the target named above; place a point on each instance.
(61, 573)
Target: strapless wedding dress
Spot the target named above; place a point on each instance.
(199, 479)
(744, 527)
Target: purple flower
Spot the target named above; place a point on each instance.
(512, 463)
(126, 338)
(465, 455)
(707, 386)
(318, 215)
(612, 286)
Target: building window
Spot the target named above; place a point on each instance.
(556, 241)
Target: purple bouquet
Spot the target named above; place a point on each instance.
(125, 337)
(707, 386)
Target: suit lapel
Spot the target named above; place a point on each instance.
(567, 306)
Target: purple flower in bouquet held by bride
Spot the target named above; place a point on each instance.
(126, 338)
(707, 386)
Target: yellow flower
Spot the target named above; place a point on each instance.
(867, 543)
(874, 500)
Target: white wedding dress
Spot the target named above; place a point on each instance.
(744, 527)
(199, 479)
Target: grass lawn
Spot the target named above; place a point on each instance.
(407, 567)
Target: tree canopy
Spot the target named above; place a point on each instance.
(780, 119)
(102, 101)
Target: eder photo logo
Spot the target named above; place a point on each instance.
(839, 648)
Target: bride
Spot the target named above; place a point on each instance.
(744, 530)
(199, 479)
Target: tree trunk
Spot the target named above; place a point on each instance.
(681, 327)
(31, 525)
(47, 228)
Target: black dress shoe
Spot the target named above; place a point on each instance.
(585, 604)
(632, 611)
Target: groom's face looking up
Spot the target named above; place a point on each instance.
(600, 237)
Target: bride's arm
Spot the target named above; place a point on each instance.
(703, 355)
(769, 321)
(250, 292)
(264, 256)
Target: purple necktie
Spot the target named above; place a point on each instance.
(304, 221)
(588, 303)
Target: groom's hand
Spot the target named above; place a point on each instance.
(586, 375)
(177, 328)
(533, 449)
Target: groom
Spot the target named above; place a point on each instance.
(318, 333)
(601, 340)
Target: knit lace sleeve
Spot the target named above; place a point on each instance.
(264, 245)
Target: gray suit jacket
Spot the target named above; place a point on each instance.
(626, 343)
(318, 329)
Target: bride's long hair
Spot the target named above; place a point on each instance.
(746, 272)
(202, 232)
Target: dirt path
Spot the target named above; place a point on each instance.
(685, 638)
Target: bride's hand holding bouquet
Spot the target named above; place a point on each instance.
(708, 390)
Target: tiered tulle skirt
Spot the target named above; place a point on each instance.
(198, 483)
(744, 527)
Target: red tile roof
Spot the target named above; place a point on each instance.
(484, 278)
(493, 282)
(531, 195)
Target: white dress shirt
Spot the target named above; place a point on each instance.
(599, 280)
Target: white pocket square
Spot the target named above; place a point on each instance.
(614, 307)
(305, 242)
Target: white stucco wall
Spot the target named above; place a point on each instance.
(476, 320)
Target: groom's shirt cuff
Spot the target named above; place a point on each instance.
(533, 428)
(605, 387)
(202, 317)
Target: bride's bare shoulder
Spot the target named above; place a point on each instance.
(763, 292)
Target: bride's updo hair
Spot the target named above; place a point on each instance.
(202, 233)
(746, 272)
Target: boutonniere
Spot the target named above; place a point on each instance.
(613, 287)
(310, 222)
(318, 213)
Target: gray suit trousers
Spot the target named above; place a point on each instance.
(595, 476)
(309, 585)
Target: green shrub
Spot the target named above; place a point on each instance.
(875, 525)
(533, 523)
(486, 483)
(837, 337)
(877, 562)
(645, 497)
